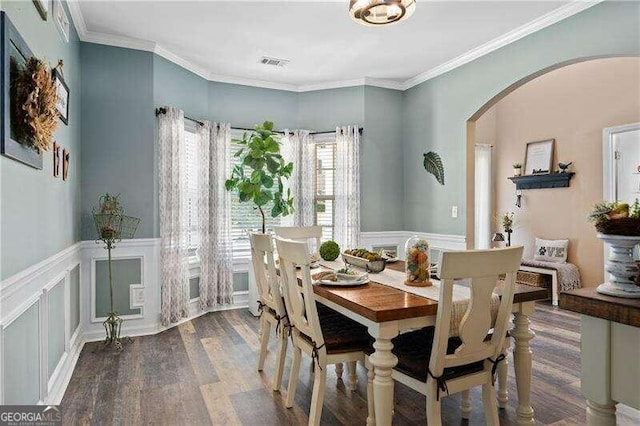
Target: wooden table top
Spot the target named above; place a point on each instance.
(381, 303)
(588, 301)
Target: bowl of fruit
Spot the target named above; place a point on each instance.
(362, 258)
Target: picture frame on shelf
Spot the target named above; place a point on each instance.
(43, 8)
(15, 53)
(538, 157)
(63, 96)
(61, 19)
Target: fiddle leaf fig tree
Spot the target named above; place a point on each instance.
(259, 177)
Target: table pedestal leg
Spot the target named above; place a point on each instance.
(383, 361)
(601, 415)
(522, 334)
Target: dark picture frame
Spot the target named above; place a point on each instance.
(14, 51)
(538, 157)
(43, 8)
(63, 96)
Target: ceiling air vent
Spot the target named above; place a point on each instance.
(275, 62)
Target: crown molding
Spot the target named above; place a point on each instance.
(251, 82)
(77, 18)
(537, 24)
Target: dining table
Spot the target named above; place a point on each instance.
(388, 311)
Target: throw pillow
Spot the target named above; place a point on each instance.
(551, 250)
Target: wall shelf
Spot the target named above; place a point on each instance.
(553, 180)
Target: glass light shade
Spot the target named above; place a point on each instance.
(381, 12)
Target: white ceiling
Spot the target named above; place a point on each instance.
(227, 38)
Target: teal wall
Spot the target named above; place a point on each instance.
(55, 326)
(40, 214)
(118, 133)
(21, 356)
(324, 110)
(437, 110)
(381, 167)
(124, 273)
(246, 106)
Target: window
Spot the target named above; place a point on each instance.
(324, 193)
(244, 217)
(191, 153)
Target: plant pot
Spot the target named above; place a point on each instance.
(517, 172)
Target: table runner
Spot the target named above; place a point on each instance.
(461, 292)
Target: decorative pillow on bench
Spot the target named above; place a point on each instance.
(551, 250)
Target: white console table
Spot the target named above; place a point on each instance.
(610, 352)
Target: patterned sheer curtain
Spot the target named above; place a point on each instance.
(347, 195)
(297, 146)
(214, 215)
(174, 250)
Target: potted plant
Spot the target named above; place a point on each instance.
(259, 177)
(517, 169)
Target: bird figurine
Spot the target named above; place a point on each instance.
(564, 166)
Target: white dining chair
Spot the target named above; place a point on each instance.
(301, 233)
(432, 363)
(331, 339)
(273, 312)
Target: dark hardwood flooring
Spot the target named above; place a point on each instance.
(204, 372)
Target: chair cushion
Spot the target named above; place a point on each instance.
(341, 334)
(413, 350)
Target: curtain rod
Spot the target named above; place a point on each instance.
(163, 110)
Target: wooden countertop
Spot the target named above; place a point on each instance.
(588, 301)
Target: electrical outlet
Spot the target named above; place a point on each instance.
(454, 211)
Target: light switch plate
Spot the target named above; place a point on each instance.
(454, 211)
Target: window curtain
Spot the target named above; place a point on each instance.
(174, 250)
(483, 196)
(347, 194)
(214, 215)
(297, 147)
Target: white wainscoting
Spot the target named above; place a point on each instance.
(23, 290)
(399, 238)
(147, 293)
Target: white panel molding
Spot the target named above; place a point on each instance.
(145, 249)
(105, 258)
(62, 374)
(537, 24)
(18, 284)
(399, 238)
(22, 291)
(557, 15)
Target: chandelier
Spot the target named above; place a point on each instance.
(381, 12)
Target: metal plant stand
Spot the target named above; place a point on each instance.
(112, 225)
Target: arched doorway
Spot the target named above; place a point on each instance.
(586, 69)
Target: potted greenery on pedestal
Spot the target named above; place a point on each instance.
(259, 177)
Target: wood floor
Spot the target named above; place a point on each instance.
(204, 372)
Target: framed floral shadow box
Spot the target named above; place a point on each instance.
(15, 53)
